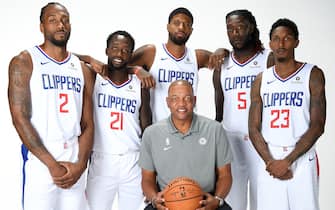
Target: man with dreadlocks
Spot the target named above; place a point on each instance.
(232, 92)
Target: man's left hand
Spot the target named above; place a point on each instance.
(211, 203)
(74, 172)
(278, 168)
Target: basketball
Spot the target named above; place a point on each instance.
(182, 193)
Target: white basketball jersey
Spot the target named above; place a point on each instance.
(166, 69)
(56, 96)
(285, 106)
(116, 115)
(236, 80)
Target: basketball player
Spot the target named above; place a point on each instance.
(287, 116)
(185, 144)
(232, 92)
(121, 112)
(147, 80)
(173, 60)
(50, 99)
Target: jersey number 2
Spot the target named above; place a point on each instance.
(280, 118)
(117, 121)
(64, 101)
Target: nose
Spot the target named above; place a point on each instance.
(181, 25)
(235, 31)
(60, 25)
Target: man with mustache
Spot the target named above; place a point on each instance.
(287, 117)
(50, 99)
(121, 113)
(232, 85)
(173, 60)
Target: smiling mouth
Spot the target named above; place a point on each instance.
(117, 60)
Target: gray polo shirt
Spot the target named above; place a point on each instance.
(195, 154)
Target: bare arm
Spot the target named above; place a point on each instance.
(203, 58)
(317, 115)
(87, 125)
(150, 189)
(75, 170)
(255, 121)
(144, 56)
(218, 94)
(223, 184)
(147, 80)
(218, 58)
(19, 97)
(145, 110)
(224, 181)
(97, 66)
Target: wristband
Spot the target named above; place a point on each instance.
(221, 200)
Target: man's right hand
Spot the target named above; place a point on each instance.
(57, 171)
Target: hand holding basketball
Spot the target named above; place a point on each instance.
(182, 193)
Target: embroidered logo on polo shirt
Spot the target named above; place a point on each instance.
(167, 142)
(167, 145)
(202, 141)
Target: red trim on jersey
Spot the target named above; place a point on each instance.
(317, 164)
(246, 62)
(120, 85)
(174, 58)
(289, 77)
(53, 60)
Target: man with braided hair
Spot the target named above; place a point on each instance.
(232, 89)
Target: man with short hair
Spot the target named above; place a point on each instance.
(287, 117)
(185, 144)
(50, 99)
(121, 113)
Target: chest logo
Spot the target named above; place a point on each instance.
(202, 141)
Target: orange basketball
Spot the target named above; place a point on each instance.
(182, 193)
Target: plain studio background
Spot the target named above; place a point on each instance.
(146, 20)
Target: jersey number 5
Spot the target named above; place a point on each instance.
(280, 118)
(117, 121)
(242, 101)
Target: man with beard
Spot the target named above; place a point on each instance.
(50, 99)
(287, 117)
(121, 113)
(172, 60)
(232, 92)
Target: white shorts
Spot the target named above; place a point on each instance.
(244, 168)
(300, 192)
(39, 191)
(109, 175)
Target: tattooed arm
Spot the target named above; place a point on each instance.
(317, 115)
(255, 121)
(19, 97)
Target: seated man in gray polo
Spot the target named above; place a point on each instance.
(185, 144)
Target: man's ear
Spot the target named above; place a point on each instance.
(195, 101)
(41, 28)
(296, 43)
